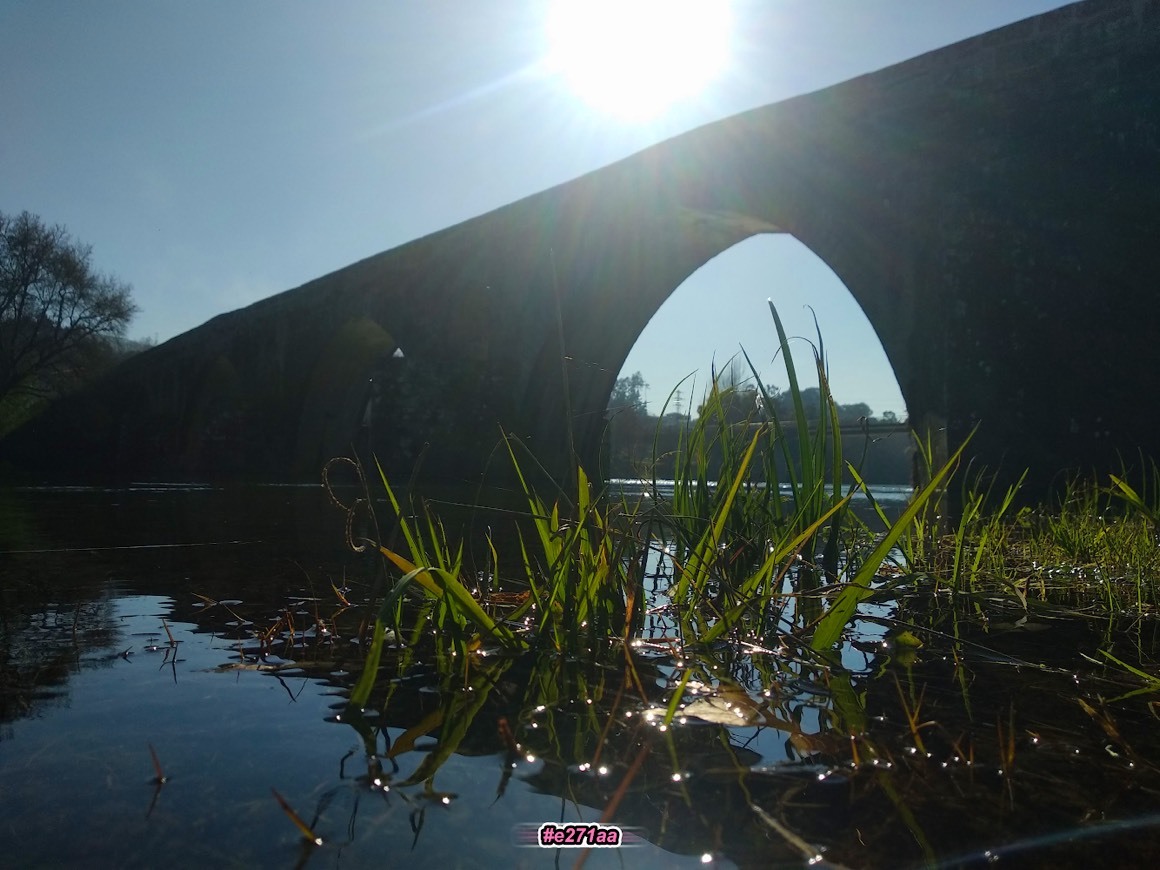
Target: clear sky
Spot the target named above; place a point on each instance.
(214, 152)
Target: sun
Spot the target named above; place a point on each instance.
(637, 58)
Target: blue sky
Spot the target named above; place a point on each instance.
(214, 153)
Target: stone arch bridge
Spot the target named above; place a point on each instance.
(993, 207)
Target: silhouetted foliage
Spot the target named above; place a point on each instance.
(628, 393)
(629, 423)
(637, 440)
(60, 320)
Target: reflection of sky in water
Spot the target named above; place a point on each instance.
(78, 776)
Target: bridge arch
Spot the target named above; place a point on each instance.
(653, 249)
(992, 206)
(722, 307)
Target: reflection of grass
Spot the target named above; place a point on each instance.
(891, 751)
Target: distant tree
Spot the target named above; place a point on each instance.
(811, 402)
(854, 413)
(735, 375)
(58, 317)
(628, 393)
(739, 404)
(628, 424)
(889, 417)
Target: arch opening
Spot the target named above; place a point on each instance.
(721, 308)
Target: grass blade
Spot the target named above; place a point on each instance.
(830, 628)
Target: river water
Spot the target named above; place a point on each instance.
(172, 656)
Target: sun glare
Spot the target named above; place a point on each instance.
(636, 58)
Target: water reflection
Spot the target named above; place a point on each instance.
(221, 627)
(43, 644)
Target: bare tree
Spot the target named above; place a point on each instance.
(56, 312)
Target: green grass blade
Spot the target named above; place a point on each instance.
(361, 692)
(705, 554)
(805, 448)
(729, 620)
(439, 583)
(830, 628)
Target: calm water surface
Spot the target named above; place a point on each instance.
(220, 627)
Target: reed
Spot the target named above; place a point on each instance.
(1146, 502)
(578, 566)
(739, 545)
(756, 543)
(1096, 547)
(741, 541)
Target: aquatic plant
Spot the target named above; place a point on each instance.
(1085, 550)
(739, 543)
(740, 548)
(756, 546)
(1146, 502)
(582, 589)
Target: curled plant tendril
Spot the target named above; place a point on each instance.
(352, 509)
